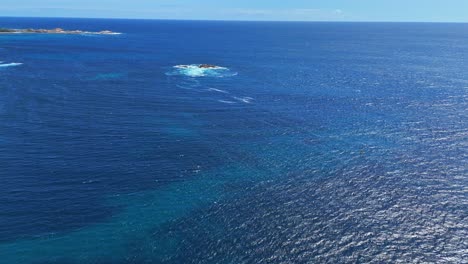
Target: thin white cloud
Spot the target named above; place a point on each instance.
(286, 14)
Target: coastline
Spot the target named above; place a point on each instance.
(56, 31)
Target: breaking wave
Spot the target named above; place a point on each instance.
(10, 64)
(194, 70)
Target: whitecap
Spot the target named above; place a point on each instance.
(194, 70)
(226, 102)
(246, 100)
(11, 64)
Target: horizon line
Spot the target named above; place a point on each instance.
(243, 20)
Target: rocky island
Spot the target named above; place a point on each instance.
(55, 31)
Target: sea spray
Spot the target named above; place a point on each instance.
(195, 70)
(10, 64)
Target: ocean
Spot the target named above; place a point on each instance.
(311, 143)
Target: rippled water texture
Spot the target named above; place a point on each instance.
(311, 143)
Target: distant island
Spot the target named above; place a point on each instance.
(55, 31)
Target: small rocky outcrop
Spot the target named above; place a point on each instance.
(208, 66)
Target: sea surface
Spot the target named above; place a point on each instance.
(312, 143)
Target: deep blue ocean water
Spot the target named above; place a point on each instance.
(317, 143)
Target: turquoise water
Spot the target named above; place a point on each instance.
(312, 142)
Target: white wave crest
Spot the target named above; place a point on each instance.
(226, 102)
(246, 100)
(11, 64)
(195, 70)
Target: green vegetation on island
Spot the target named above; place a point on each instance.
(6, 30)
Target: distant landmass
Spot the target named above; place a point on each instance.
(55, 31)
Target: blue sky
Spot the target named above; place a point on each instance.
(290, 10)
